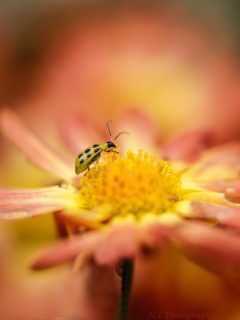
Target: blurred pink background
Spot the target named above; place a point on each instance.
(176, 61)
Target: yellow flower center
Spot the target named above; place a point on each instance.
(136, 185)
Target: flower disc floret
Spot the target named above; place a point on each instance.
(137, 185)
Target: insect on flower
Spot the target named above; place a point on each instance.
(93, 153)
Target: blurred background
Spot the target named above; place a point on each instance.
(177, 61)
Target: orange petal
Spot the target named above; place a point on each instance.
(26, 203)
(213, 248)
(39, 152)
(187, 147)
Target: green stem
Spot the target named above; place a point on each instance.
(126, 287)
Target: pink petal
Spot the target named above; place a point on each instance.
(188, 147)
(119, 242)
(224, 215)
(26, 203)
(218, 163)
(80, 131)
(229, 188)
(37, 150)
(67, 250)
(213, 248)
(106, 246)
(143, 132)
(156, 235)
(212, 197)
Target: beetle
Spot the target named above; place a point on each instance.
(93, 153)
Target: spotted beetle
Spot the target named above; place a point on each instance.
(93, 153)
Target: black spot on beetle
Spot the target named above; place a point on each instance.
(96, 150)
(95, 145)
(80, 155)
(87, 151)
(81, 161)
(89, 155)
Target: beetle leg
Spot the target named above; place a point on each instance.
(96, 162)
(88, 170)
(96, 158)
(111, 150)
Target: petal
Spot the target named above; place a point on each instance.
(78, 217)
(126, 236)
(106, 246)
(26, 203)
(118, 242)
(188, 147)
(212, 248)
(39, 152)
(156, 229)
(143, 132)
(67, 250)
(229, 188)
(218, 163)
(80, 131)
(222, 214)
(211, 197)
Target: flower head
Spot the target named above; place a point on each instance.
(135, 185)
(132, 202)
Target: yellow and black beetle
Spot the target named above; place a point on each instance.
(93, 153)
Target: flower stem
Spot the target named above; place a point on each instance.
(126, 287)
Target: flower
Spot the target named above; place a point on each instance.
(128, 204)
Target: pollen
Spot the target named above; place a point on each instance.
(137, 185)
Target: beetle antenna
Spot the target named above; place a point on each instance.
(109, 129)
(121, 133)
